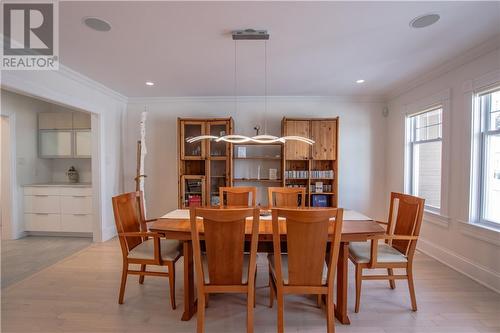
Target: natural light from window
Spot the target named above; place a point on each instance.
(425, 154)
(490, 184)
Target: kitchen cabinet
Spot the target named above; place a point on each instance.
(58, 208)
(55, 120)
(55, 143)
(297, 150)
(83, 144)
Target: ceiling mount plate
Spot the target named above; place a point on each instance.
(250, 34)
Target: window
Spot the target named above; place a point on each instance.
(489, 108)
(425, 148)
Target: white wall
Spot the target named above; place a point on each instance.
(361, 150)
(470, 249)
(73, 90)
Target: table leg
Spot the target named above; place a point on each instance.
(189, 297)
(342, 284)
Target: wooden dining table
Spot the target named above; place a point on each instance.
(356, 228)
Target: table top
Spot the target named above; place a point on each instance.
(176, 224)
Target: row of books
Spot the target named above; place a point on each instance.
(304, 174)
(315, 188)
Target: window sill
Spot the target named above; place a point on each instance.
(436, 218)
(481, 231)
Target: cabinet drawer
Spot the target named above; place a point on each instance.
(76, 222)
(42, 222)
(41, 190)
(77, 191)
(76, 205)
(42, 204)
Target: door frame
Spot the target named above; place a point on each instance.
(96, 168)
(11, 231)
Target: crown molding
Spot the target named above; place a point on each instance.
(250, 99)
(71, 74)
(471, 54)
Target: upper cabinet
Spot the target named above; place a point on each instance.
(323, 132)
(297, 150)
(64, 135)
(81, 120)
(191, 129)
(55, 121)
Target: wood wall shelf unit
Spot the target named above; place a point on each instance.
(305, 165)
(248, 158)
(205, 165)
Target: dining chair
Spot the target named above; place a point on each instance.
(286, 197)
(237, 196)
(224, 267)
(306, 268)
(140, 246)
(398, 248)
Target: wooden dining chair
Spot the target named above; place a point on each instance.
(237, 196)
(398, 250)
(140, 246)
(306, 268)
(286, 197)
(224, 267)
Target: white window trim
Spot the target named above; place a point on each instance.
(470, 88)
(441, 99)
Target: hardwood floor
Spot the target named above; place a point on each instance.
(26, 256)
(80, 293)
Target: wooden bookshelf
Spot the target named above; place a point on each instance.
(203, 166)
(304, 165)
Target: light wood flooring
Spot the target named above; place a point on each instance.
(79, 294)
(26, 256)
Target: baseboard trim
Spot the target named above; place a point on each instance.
(476, 272)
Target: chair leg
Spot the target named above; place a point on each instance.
(280, 299)
(123, 282)
(411, 287)
(141, 277)
(392, 283)
(330, 316)
(250, 306)
(171, 282)
(359, 274)
(200, 326)
(271, 289)
(319, 300)
(254, 289)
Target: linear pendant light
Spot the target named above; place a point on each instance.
(251, 34)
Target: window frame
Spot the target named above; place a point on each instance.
(483, 118)
(411, 129)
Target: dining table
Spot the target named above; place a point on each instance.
(356, 227)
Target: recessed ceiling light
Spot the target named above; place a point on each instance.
(96, 23)
(423, 21)
(360, 81)
(149, 83)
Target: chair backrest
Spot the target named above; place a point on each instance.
(286, 197)
(307, 233)
(237, 196)
(224, 234)
(128, 209)
(405, 218)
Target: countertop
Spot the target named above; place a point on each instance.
(62, 184)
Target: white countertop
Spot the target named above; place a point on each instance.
(60, 184)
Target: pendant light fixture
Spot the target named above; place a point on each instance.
(251, 34)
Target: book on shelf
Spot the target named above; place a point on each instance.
(319, 200)
(297, 174)
(322, 174)
(194, 201)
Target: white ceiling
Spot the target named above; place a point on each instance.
(316, 48)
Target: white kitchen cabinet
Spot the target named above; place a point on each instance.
(83, 144)
(55, 120)
(55, 143)
(58, 208)
(81, 120)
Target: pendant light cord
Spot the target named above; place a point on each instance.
(235, 86)
(265, 87)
